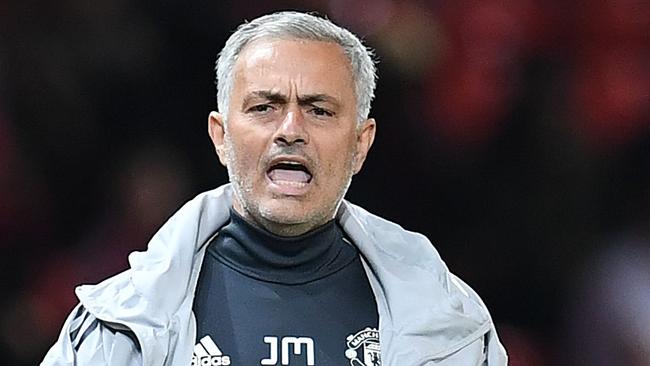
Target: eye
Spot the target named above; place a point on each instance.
(321, 112)
(260, 108)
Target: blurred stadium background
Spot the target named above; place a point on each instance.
(515, 134)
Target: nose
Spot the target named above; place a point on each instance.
(292, 130)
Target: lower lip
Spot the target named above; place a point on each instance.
(289, 188)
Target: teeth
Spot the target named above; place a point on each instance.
(290, 183)
(289, 164)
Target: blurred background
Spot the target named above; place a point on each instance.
(514, 134)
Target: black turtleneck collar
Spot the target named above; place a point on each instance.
(260, 254)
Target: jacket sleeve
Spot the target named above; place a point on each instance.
(86, 340)
(494, 354)
(484, 351)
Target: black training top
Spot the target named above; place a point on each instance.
(262, 299)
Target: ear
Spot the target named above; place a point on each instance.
(365, 138)
(217, 131)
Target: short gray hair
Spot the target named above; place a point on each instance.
(295, 25)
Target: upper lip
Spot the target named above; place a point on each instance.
(290, 159)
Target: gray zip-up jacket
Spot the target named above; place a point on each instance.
(143, 316)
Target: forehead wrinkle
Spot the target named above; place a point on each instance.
(256, 62)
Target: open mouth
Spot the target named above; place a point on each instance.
(289, 173)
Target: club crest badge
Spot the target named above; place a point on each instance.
(363, 348)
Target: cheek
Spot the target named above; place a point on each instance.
(340, 161)
(244, 152)
(248, 161)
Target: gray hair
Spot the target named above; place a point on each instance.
(295, 25)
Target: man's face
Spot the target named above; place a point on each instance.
(291, 141)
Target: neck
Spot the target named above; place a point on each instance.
(279, 228)
(286, 229)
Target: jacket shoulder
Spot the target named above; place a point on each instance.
(425, 306)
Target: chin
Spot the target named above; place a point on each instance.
(284, 216)
(288, 212)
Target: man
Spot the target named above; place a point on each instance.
(276, 268)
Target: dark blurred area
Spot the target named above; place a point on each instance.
(514, 134)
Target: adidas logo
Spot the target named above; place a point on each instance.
(206, 353)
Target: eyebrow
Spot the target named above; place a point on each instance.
(275, 97)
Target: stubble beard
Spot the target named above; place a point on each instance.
(279, 223)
